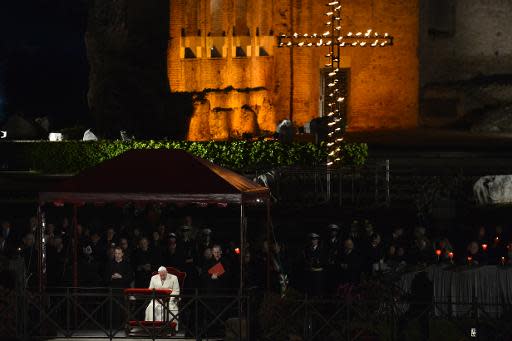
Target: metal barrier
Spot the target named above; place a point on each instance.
(108, 313)
(368, 185)
(379, 182)
(386, 319)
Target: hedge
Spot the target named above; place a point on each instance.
(73, 156)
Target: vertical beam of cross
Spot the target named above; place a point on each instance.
(335, 40)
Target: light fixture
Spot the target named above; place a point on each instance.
(55, 137)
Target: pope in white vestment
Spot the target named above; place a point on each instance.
(163, 280)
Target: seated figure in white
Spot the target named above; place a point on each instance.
(163, 280)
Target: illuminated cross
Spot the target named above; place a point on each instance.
(335, 40)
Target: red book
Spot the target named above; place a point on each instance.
(217, 269)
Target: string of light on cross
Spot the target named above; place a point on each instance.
(335, 40)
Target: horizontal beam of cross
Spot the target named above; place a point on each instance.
(350, 40)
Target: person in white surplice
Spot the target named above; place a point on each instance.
(163, 280)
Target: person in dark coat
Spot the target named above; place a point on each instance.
(214, 282)
(98, 247)
(420, 298)
(144, 263)
(111, 237)
(118, 275)
(10, 236)
(355, 233)
(314, 263)
(174, 255)
(374, 254)
(204, 241)
(186, 241)
(58, 266)
(127, 250)
(333, 246)
(6, 250)
(350, 263)
(29, 253)
(475, 255)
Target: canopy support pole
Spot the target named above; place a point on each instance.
(75, 246)
(41, 250)
(267, 284)
(242, 244)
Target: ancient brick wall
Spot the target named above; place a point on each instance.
(383, 82)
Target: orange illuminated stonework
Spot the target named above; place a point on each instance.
(227, 51)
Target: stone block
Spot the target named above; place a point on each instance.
(219, 122)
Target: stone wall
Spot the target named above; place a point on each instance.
(466, 58)
(478, 43)
(384, 82)
(231, 114)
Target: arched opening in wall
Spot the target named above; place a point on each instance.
(216, 18)
(241, 28)
(192, 18)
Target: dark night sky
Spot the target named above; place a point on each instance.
(43, 62)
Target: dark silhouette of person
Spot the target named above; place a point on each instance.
(350, 263)
(215, 283)
(420, 300)
(314, 262)
(144, 263)
(333, 248)
(118, 275)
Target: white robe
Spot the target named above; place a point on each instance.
(171, 282)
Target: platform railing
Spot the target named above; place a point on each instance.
(104, 313)
(110, 314)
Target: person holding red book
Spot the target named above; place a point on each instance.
(216, 271)
(215, 275)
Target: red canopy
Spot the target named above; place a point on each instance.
(157, 175)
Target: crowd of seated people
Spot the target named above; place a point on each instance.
(134, 252)
(342, 256)
(334, 255)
